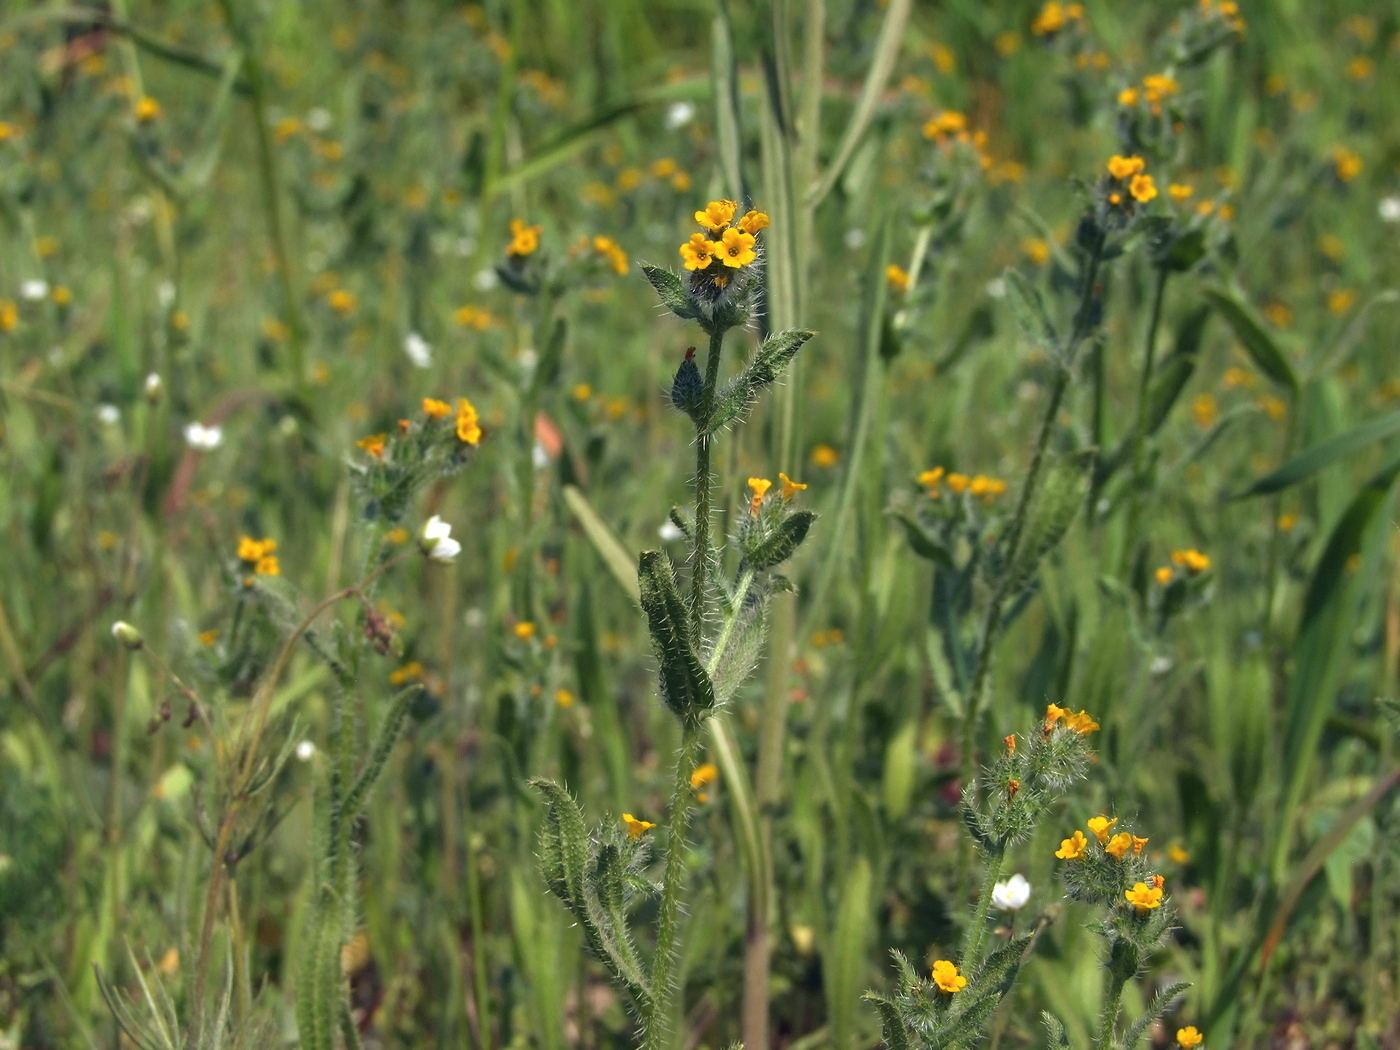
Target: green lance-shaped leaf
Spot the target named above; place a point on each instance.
(898, 1035)
(1028, 308)
(767, 365)
(844, 959)
(1250, 331)
(743, 648)
(685, 686)
(781, 543)
(1056, 1036)
(1177, 369)
(1051, 513)
(1001, 967)
(1311, 460)
(563, 844)
(1161, 1003)
(924, 543)
(670, 291)
(970, 1024)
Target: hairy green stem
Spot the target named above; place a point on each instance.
(1108, 1020)
(668, 926)
(972, 942)
(700, 562)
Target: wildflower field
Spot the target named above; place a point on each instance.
(653, 523)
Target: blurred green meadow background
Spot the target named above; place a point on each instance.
(244, 239)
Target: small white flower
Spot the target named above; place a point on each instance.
(436, 539)
(318, 119)
(670, 531)
(1160, 665)
(165, 294)
(1012, 894)
(1389, 209)
(34, 290)
(855, 237)
(202, 438)
(485, 280)
(679, 115)
(540, 456)
(996, 288)
(109, 414)
(155, 387)
(528, 360)
(305, 750)
(418, 349)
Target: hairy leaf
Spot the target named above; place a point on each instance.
(685, 686)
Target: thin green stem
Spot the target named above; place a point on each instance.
(972, 941)
(700, 562)
(272, 198)
(668, 927)
(1108, 1019)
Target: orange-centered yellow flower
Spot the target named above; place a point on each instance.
(717, 215)
(636, 828)
(1125, 167)
(435, 409)
(147, 109)
(790, 488)
(698, 251)
(1144, 897)
(946, 976)
(752, 222)
(1100, 827)
(1142, 188)
(1073, 847)
(735, 248)
(524, 240)
(468, 422)
(1187, 1038)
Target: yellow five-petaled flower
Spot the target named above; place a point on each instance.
(1073, 847)
(1144, 897)
(790, 488)
(524, 240)
(635, 827)
(1100, 827)
(697, 252)
(735, 248)
(717, 215)
(946, 976)
(1188, 1037)
(759, 487)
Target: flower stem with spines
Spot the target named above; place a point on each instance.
(700, 562)
(668, 926)
(972, 943)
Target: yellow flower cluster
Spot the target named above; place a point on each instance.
(897, 278)
(950, 128)
(1055, 17)
(946, 976)
(146, 110)
(1079, 721)
(986, 488)
(1192, 561)
(474, 317)
(373, 444)
(1226, 9)
(259, 554)
(1155, 88)
(1116, 846)
(524, 240)
(610, 250)
(731, 246)
(1130, 173)
(760, 486)
(468, 423)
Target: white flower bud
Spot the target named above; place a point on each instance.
(128, 635)
(437, 542)
(155, 388)
(1012, 894)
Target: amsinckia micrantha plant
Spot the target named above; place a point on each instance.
(954, 1006)
(707, 642)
